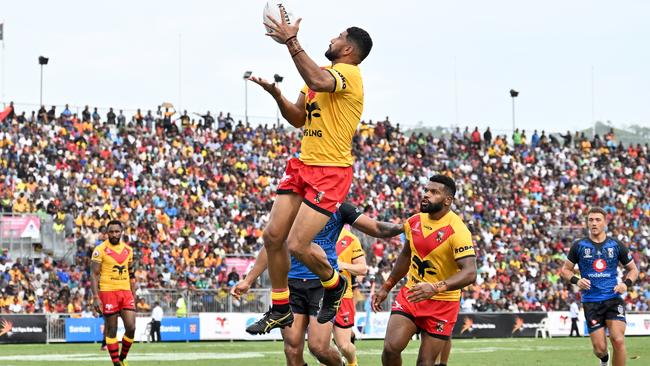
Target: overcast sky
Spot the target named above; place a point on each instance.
(438, 62)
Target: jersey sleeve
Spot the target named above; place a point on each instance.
(304, 89)
(98, 255)
(462, 244)
(357, 250)
(573, 253)
(345, 77)
(624, 254)
(349, 213)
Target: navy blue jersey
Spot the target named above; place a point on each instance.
(327, 238)
(598, 262)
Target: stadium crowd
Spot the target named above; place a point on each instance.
(193, 190)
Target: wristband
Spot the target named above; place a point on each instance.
(574, 280)
(288, 39)
(628, 282)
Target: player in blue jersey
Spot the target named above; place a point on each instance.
(306, 290)
(597, 257)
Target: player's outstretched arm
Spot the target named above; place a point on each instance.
(377, 229)
(242, 287)
(316, 78)
(358, 267)
(294, 113)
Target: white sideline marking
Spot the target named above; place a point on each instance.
(77, 357)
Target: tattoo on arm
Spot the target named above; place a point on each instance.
(294, 46)
(389, 229)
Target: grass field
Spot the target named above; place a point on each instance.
(492, 352)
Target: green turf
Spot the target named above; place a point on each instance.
(492, 352)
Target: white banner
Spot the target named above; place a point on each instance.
(226, 326)
(140, 328)
(372, 326)
(560, 324)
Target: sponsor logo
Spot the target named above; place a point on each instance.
(599, 265)
(463, 248)
(170, 329)
(520, 325)
(646, 323)
(80, 329)
(108, 307)
(285, 178)
(192, 328)
(423, 266)
(309, 132)
(119, 269)
(599, 275)
(427, 227)
(5, 327)
(8, 328)
(469, 325)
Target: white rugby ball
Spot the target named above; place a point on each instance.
(277, 10)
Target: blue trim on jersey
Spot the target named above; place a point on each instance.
(599, 264)
(327, 239)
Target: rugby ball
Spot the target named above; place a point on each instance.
(278, 10)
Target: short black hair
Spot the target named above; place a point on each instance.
(446, 181)
(362, 40)
(115, 222)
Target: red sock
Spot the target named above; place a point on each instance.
(126, 345)
(113, 349)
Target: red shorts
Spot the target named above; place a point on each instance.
(323, 188)
(435, 317)
(345, 315)
(115, 301)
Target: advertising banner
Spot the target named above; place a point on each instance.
(497, 325)
(180, 329)
(23, 328)
(92, 329)
(18, 227)
(226, 326)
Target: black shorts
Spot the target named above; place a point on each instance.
(305, 296)
(596, 313)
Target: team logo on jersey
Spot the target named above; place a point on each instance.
(439, 236)
(610, 252)
(621, 310)
(416, 227)
(96, 253)
(285, 178)
(587, 253)
(440, 326)
(119, 269)
(423, 267)
(397, 306)
(599, 265)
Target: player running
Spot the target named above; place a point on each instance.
(112, 282)
(328, 109)
(597, 257)
(440, 260)
(307, 291)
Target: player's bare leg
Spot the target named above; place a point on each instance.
(110, 334)
(318, 341)
(599, 343)
(275, 234)
(128, 318)
(617, 337)
(307, 224)
(294, 340)
(342, 337)
(443, 357)
(399, 331)
(430, 348)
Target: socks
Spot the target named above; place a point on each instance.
(332, 282)
(605, 359)
(280, 299)
(126, 345)
(113, 349)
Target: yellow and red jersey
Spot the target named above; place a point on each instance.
(348, 248)
(332, 118)
(115, 261)
(435, 247)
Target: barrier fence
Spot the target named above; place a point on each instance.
(215, 326)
